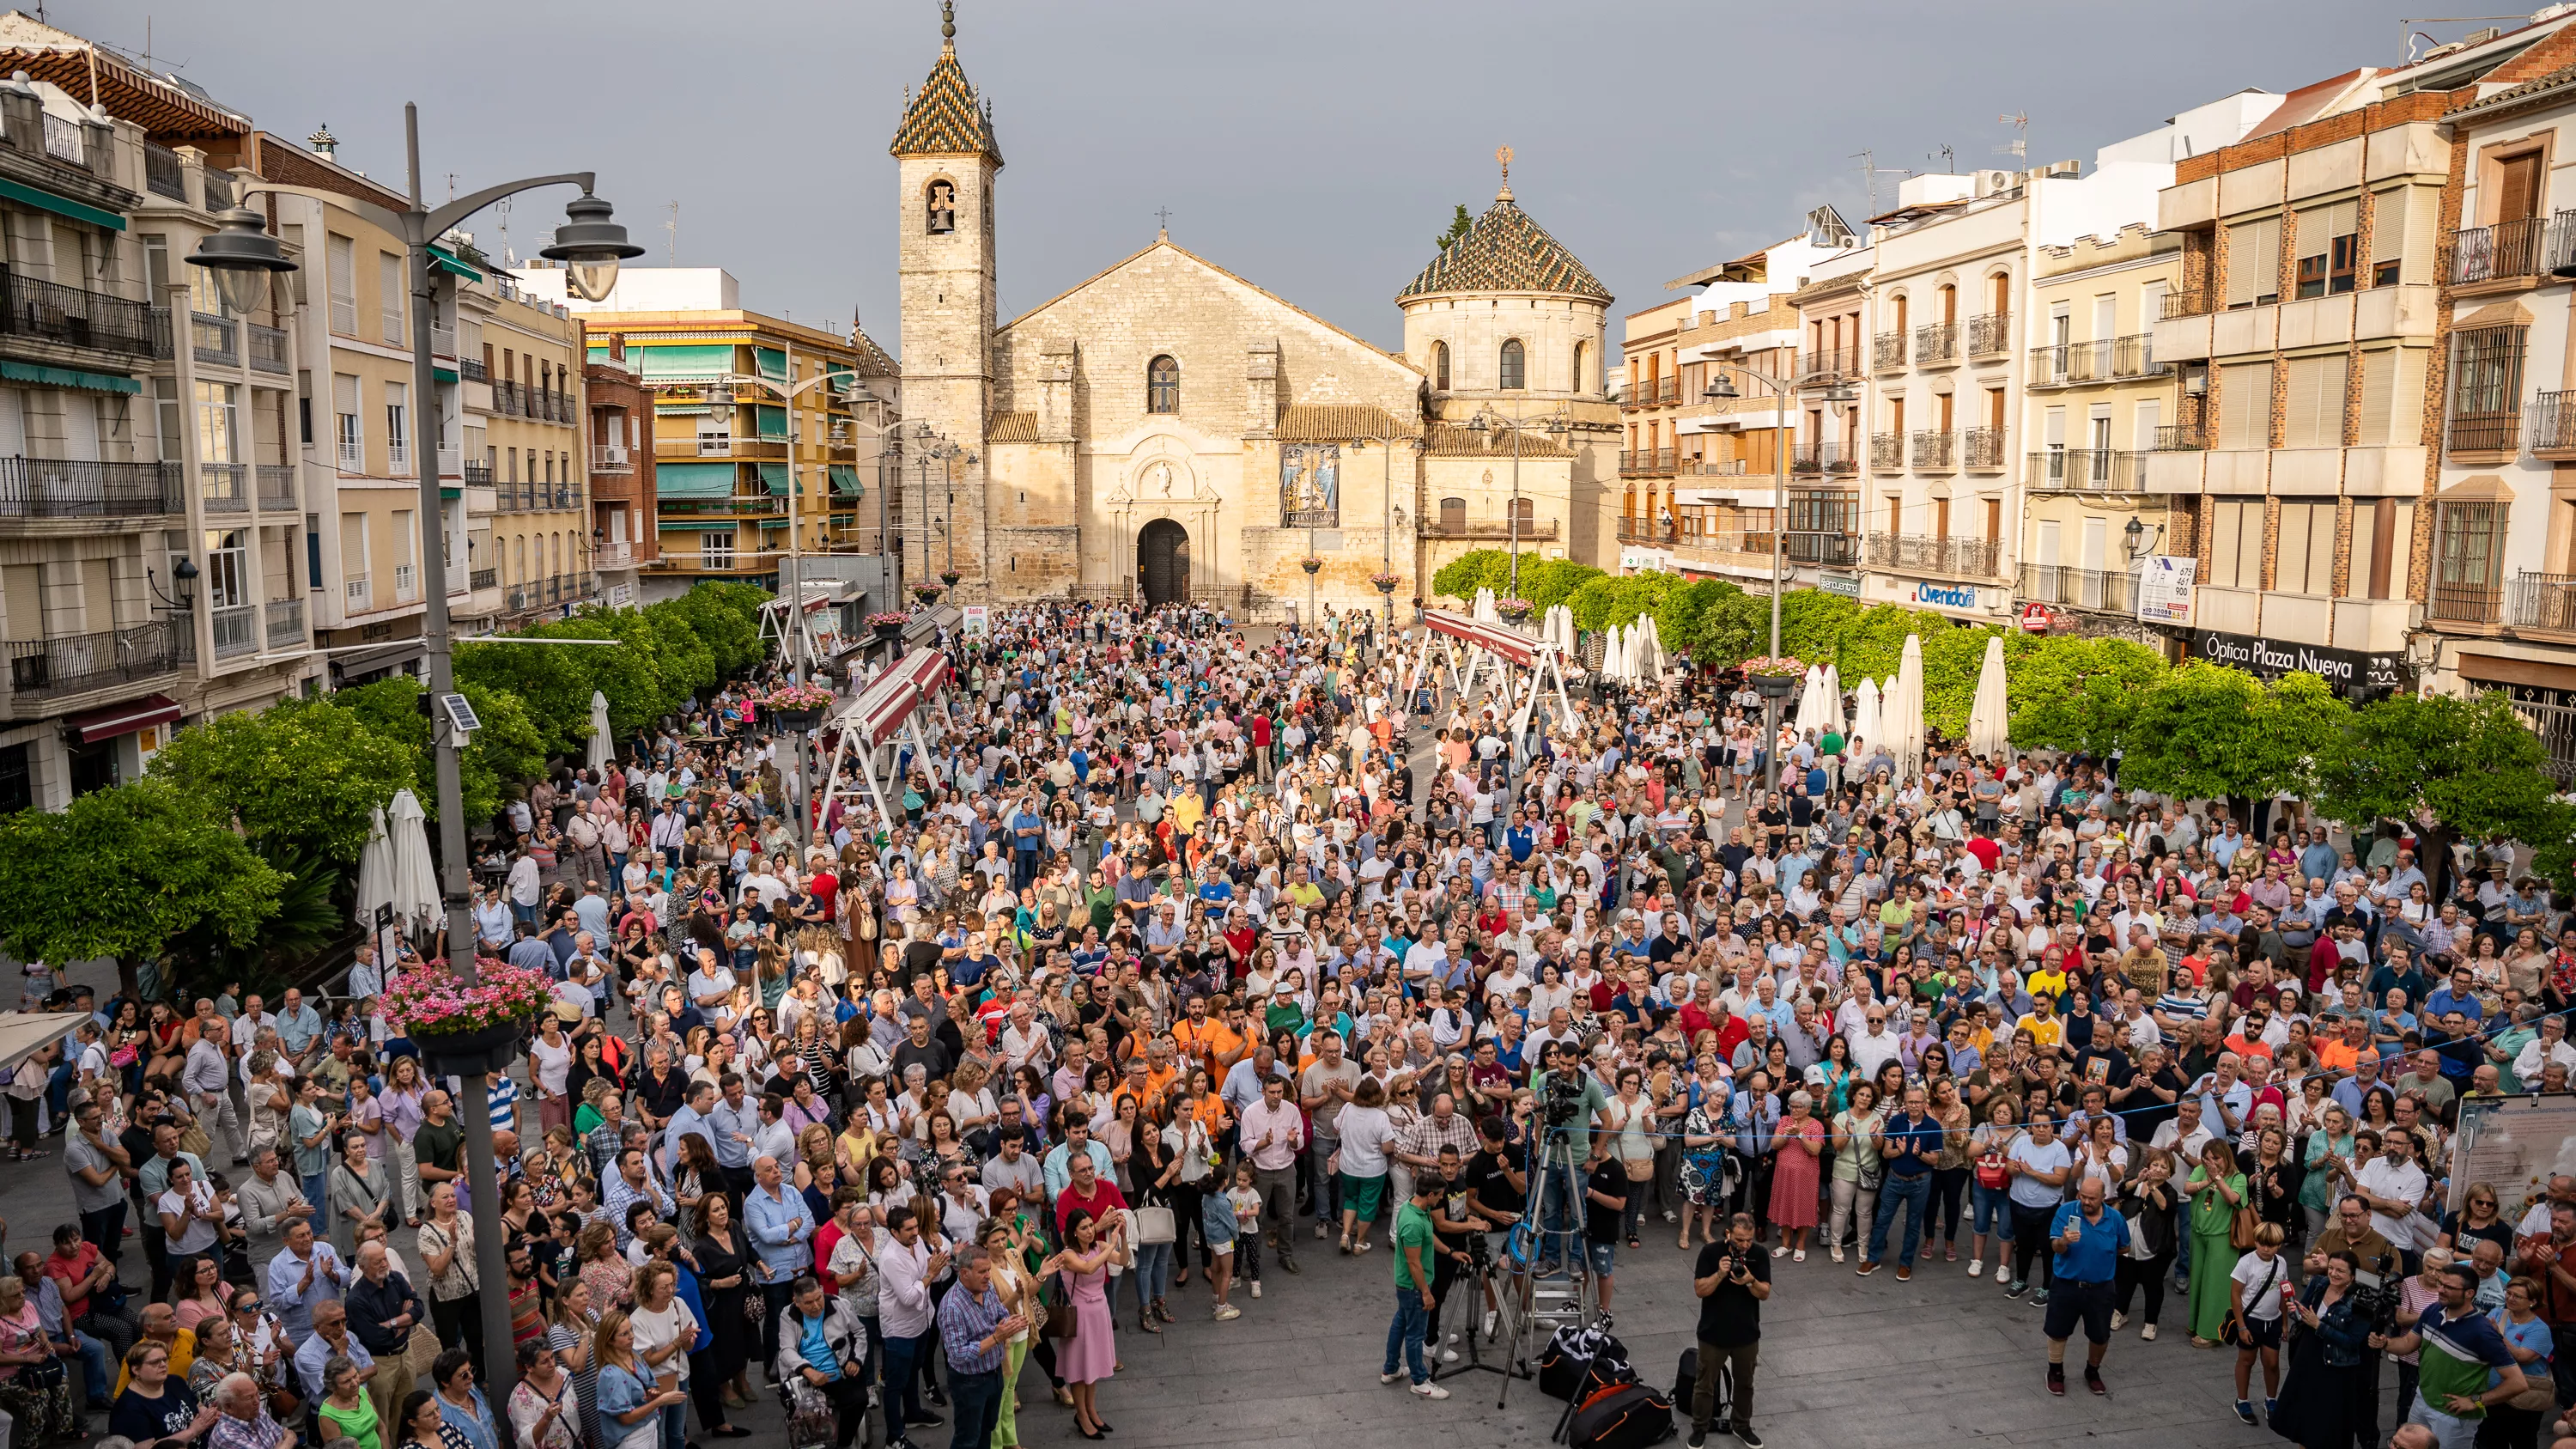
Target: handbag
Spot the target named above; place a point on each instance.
(2232, 1332)
(1154, 1224)
(421, 1349)
(1059, 1316)
(2240, 1229)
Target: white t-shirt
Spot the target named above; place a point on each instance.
(2031, 1191)
(1365, 1134)
(554, 1064)
(199, 1234)
(2382, 1177)
(654, 1329)
(2262, 1301)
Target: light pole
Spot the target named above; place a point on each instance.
(1722, 389)
(1389, 512)
(1486, 422)
(720, 406)
(927, 447)
(591, 245)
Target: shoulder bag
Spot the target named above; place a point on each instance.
(2233, 1332)
(1059, 1313)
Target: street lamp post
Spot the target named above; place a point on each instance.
(1388, 512)
(1721, 389)
(1555, 423)
(591, 244)
(928, 447)
(720, 406)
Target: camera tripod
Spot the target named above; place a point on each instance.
(1548, 1285)
(1475, 1288)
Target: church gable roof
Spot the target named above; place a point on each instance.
(946, 117)
(1337, 423)
(1166, 244)
(1505, 251)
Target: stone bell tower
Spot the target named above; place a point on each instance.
(945, 162)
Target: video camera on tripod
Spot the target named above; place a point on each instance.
(1560, 1103)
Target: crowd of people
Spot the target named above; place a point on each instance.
(1181, 953)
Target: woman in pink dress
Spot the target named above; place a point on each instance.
(1090, 1355)
(1801, 1140)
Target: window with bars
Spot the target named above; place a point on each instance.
(1163, 386)
(2486, 388)
(1515, 366)
(2468, 561)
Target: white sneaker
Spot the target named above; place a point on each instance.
(1430, 1390)
(1448, 1355)
(2119, 1321)
(1256, 1288)
(1388, 1378)
(1227, 1312)
(1491, 1318)
(1323, 1230)
(1451, 1339)
(1976, 1266)
(2148, 1332)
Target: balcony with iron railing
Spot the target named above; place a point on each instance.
(2099, 470)
(2509, 254)
(164, 174)
(1654, 392)
(224, 487)
(1829, 364)
(216, 340)
(472, 369)
(2180, 438)
(514, 497)
(2193, 303)
(1887, 351)
(2499, 432)
(1797, 546)
(1936, 343)
(276, 487)
(285, 622)
(52, 669)
(1646, 463)
(1887, 452)
(480, 579)
(1649, 530)
(2064, 364)
(1936, 451)
(37, 488)
(2105, 591)
(476, 475)
(52, 312)
(267, 348)
(1974, 558)
(235, 628)
(1458, 526)
(1712, 468)
(2134, 356)
(609, 458)
(2549, 423)
(1984, 451)
(2544, 603)
(1990, 334)
(2453, 602)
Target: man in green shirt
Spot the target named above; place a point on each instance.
(1412, 1321)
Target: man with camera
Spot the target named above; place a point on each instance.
(1568, 1099)
(2088, 1239)
(1732, 1279)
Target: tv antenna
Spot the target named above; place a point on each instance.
(2019, 147)
(1869, 173)
(501, 210)
(673, 227)
(1949, 159)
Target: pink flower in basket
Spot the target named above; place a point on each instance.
(430, 1001)
(1776, 668)
(798, 696)
(895, 617)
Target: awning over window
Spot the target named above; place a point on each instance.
(443, 260)
(693, 480)
(773, 478)
(697, 363)
(845, 481)
(443, 374)
(772, 363)
(125, 719)
(773, 422)
(60, 205)
(67, 377)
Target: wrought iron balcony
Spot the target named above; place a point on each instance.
(224, 487)
(52, 312)
(2180, 438)
(1936, 342)
(1648, 530)
(285, 622)
(276, 487)
(2551, 422)
(1985, 450)
(235, 628)
(2062, 364)
(163, 173)
(1989, 333)
(2544, 601)
(217, 340)
(1887, 452)
(2193, 303)
(1887, 351)
(2509, 251)
(52, 668)
(2135, 356)
(2107, 470)
(481, 579)
(56, 488)
(267, 348)
(2102, 590)
(1936, 452)
(1956, 557)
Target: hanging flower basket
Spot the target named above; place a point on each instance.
(928, 593)
(1312, 566)
(1514, 609)
(950, 577)
(795, 708)
(466, 1029)
(1774, 678)
(1386, 583)
(889, 625)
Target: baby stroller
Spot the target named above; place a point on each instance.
(810, 1424)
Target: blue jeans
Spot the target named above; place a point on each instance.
(902, 1382)
(1565, 1185)
(1992, 1211)
(95, 1378)
(1405, 1332)
(1152, 1274)
(1909, 1193)
(975, 1401)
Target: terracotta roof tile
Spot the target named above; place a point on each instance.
(945, 117)
(1449, 440)
(1337, 422)
(1505, 251)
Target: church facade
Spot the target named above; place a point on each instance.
(1168, 430)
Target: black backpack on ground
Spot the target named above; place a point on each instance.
(1579, 1360)
(1622, 1416)
(1686, 1384)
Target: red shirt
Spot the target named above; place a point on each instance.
(1104, 1199)
(1986, 851)
(72, 1270)
(826, 890)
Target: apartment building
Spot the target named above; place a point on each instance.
(619, 407)
(2501, 588)
(1651, 408)
(2311, 336)
(524, 416)
(737, 460)
(147, 519)
(1743, 325)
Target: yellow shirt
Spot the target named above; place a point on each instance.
(1187, 811)
(2052, 982)
(2044, 1034)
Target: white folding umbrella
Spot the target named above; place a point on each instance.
(1613, 660)
(1654, 648)
(24, 1033)
(1811, 701)
(1904, 716)
(1988, 721)
(1833, 699)
(600, 747)
(1865, 711)
(375, 869)
(415, 881)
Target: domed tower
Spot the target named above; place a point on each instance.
(1506, 313)
(945, 162)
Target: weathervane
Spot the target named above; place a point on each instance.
(1163, 216)
(948, 26)
(1503, 154)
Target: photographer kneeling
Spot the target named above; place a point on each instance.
(1732, 1279)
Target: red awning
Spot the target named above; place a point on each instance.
(1514, 646)
(125, 719)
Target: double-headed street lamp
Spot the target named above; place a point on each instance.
(1391, 516)
(1835, 390)
(720, 407)
(242, 256)
(1486, 423)
(929, 447)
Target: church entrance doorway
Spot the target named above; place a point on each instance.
(1163, 562)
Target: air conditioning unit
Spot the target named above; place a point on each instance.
(2063, 168)
(1991, 182)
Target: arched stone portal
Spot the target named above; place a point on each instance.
(1163, 562)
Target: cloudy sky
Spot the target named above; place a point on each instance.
(1316, 148)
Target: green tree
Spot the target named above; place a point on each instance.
(496, 763)
(2472, 765)
(726, 618)
(1459, 221)
(1548, 582)
(1480, 568)
(2205, 731)
(2075, 694)
(552, 685)
(1953, 655)
(1682, 619)
(123, 872)
(1812, 625)
(302, 774)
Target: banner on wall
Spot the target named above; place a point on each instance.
(1310, 485)
(2164, 589)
